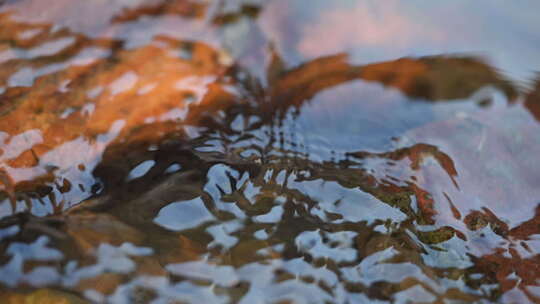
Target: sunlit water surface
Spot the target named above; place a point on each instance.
(269, 151)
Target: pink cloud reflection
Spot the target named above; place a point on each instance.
(381, 24)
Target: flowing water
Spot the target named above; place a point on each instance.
(281, 151)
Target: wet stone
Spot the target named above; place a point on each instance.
(242, 151)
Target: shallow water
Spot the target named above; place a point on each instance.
(269, 151)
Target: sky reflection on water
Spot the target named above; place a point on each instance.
(269, 151)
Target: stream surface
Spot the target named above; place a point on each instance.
(280, 151)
